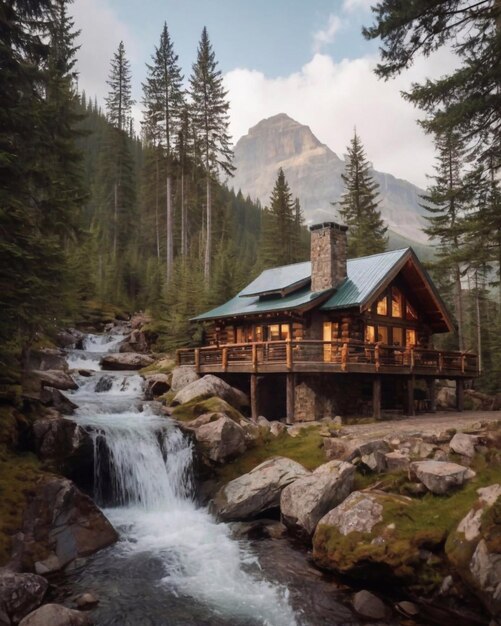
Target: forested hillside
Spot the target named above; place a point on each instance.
(97, 213)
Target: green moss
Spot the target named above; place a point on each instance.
(167, 397)
(424, 523)
(18, 475)
(306, 448)
(190, 410)
(162, 366)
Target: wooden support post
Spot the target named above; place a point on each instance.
(254, 357)
(344, 356)
(224, 358)
(410, 396)
(376, 397)
(460, 394)
(288, 348)
(432, 395)
(197, 359)
(377, 357)
(290, 393)
(253, 397)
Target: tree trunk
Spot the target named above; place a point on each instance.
(459, 307)
(479, 324)
(157, 223)
(184, 235)
(169, 243)
(115, 221)
(208, 234)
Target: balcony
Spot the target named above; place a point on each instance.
(311, 356)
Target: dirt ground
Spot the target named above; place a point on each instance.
(425, 423)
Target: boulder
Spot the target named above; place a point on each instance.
(60, 524)
(135, 342)
(183, 376)
(307, 499)
(126, 361)
(438, 476)
(104, 384)
(474, 548)
(20, 594)
(54, 378)
(45, 359)
(257, 491)
(375, 461)
(396, 461)
(56, 615)
(221, 440)
(156, 385)
(463, 444)
(263, 424)
(258, 529)
(63, 443)
(446, 398)
(277, 428)
(86, 601)
(49, 396)
(209, 386)
(367, 537)
(369, 606)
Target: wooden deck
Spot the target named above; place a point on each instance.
(308, 356)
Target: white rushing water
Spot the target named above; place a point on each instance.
(146, 462)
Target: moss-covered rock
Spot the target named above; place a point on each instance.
(474, 548)
(190, 410)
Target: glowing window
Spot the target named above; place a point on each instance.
(410, 337)
(370, 334)
(382, 306)
(398, 336)
(274, 332)
(382, 334)
(259, 333)
(284, 332)
(396, 302)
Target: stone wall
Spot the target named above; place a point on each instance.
(328, 256)
(322, 395)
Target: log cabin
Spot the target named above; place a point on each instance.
(334, 336)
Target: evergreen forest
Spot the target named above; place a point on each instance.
(99, 213)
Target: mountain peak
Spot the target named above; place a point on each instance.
(276, 139)
(313, 172)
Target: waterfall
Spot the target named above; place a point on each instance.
(143, 480)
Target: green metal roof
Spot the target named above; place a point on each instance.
(365, 275)
(278, 279)
(250, 306)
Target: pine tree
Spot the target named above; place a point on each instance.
(278, 234)
(466, 101)
(119, 100)
(447, 204)
(163, 101)
(358, 204)
(211, 119)
(40, 191)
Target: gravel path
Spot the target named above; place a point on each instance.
(425, 423)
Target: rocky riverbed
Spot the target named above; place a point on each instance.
(321, 523)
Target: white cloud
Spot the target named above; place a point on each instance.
(333, 97)
(354, 5)
(101, 32)
(327, 35)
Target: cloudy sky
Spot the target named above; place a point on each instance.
(307, 59)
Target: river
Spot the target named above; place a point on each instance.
(174, 564)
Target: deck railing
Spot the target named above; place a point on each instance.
(328, 355)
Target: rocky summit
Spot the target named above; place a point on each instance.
(314, 171)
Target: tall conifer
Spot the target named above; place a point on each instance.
(211, 119)
(163, 101)
(359, 202)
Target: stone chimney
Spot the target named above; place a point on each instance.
(328, 255)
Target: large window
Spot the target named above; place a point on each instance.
(396, 302)
(382, 306)
(277, 332)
